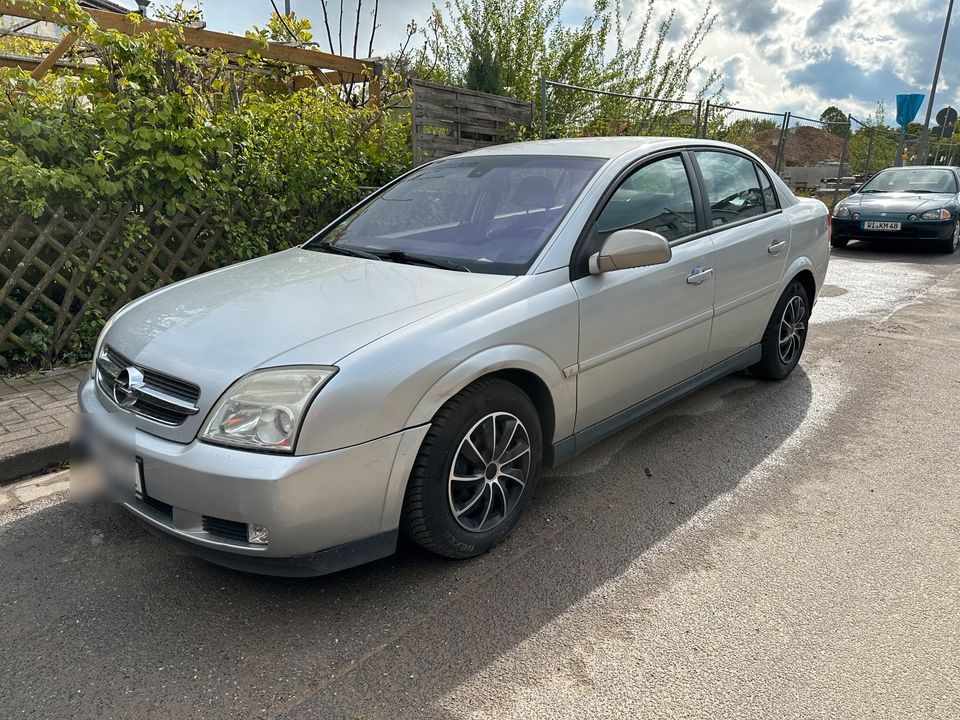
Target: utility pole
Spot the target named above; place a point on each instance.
(922, 159)
(286, 8)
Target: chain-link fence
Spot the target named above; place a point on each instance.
(874, 146)
(813, 156)
(759, 131)
(942, 151)
(573, 111)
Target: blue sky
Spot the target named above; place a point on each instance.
(798, 55)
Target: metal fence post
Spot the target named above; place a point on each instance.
(706, 119)
(543, 108)
(866, 164)
(781, 144)
(696, 129)
(843, 159)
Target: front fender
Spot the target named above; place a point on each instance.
(503, 357)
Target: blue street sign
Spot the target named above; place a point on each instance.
(907, 108)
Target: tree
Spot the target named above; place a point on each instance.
(483, 70)
(873, 145)
(529, 39)
(836, 121)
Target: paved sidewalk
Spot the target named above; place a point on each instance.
(36, 414)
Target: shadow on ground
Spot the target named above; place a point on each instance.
(102, 620)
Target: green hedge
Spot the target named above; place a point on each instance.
(155, 123)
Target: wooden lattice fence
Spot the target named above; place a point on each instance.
(62, 276)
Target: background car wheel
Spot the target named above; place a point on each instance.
(950, 245)
(839, 242)
(476, 471)
(785, 336)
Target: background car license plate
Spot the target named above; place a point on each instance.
(880, 225)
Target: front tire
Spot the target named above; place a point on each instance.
(950, 245)
(785, 336)
(839, 242)
(476, 471)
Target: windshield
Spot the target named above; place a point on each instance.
(912, 180)
(489, 214)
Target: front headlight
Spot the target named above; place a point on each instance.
(941, 214)
(263, 410)
(841, 211)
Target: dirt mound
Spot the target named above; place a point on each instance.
(805, 146)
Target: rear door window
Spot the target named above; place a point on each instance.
(770, 201)
(732, 185)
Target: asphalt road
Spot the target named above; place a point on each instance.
(792, 553)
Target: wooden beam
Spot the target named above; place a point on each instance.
(326, 78)
(50, 60)
(200, 38)
(25, 62)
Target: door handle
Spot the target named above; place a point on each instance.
(776, 246)
(699, 276)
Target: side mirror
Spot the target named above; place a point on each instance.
(854, 188)
(630, 249)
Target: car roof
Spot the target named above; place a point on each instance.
(923, 167)
(598, 147)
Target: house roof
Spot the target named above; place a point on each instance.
(106, 5)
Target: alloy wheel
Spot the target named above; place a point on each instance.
(793, 329)
(489, 472)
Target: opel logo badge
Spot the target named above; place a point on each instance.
(127, 386)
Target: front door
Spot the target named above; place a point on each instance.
(643, 330)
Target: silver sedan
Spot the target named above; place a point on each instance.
(415, 365)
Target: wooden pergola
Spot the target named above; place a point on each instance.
(325, 68)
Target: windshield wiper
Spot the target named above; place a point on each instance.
(338, 250)
(400, 256)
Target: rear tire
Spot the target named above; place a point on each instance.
(949, 245)
(785, 336)
(476, 471)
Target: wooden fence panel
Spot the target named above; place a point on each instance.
(449, 120)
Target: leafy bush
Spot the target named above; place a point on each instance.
(156, 123)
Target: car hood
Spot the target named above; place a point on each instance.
(900, 202)
(214, 328)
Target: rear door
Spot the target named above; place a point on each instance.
(751, 236)
(644, 329)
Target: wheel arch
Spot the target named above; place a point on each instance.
(530, 369)
(802, 270)
(805, 277)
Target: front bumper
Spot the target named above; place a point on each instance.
(346, 501)
(921, 231)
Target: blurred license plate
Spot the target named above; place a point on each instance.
(880, 225)
(101, 468)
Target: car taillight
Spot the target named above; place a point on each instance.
(829, 227)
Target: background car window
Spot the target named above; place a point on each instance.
(655, 197)
(919, 180)
(770, 201)
(732, 186)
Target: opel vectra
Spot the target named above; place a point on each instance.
(414, 366)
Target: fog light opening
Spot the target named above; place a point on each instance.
(257, 534)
